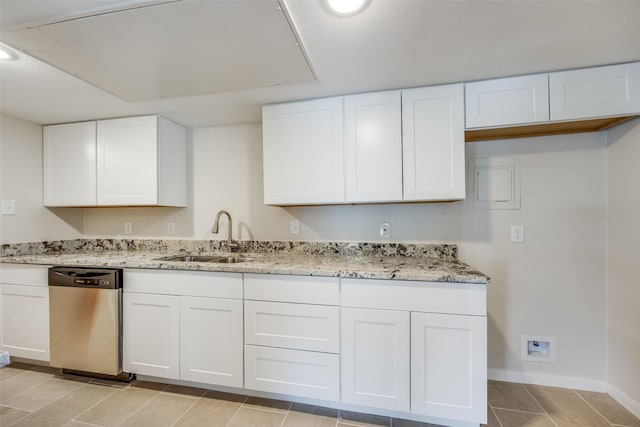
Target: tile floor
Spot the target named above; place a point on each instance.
(38, 396)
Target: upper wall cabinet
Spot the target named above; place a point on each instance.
(303, 152)
(356, 149)
(373, 147)
(508, 101)
(70, 164)
(595, 92)
(136, 161)
(433, 143)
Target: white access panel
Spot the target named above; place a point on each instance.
(508, 101)
(595, 92)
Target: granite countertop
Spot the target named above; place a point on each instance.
(353, 264)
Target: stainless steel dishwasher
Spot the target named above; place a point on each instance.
(85, 313)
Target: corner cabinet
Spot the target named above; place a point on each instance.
(356, 149)
(433, 143)
(24, 311)
(134, 161)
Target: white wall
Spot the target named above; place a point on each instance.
(552, 285)
(623, 262)
(21, 180)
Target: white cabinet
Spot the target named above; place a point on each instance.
(373, 147)
(508, 101)
(438, 331)
(141, 161)
(449, 366)
(292, 335)
(375, 358)
(184, 325)
(595, 92)
(211, 340)
(24, 309)
(134, 161)
(303, 152)
(433, 143)
(151, 335)
(69, 166)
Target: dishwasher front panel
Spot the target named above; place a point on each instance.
(86, 329)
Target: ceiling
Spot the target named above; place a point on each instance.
(92, 59)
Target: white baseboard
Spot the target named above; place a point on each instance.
(548, 380)
(625, 400)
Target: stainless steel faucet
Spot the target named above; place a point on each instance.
(233, 246)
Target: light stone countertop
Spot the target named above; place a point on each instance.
(430, 268)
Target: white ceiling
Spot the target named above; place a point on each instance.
(391, 44)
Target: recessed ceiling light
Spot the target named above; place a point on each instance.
(346, 7)
(7, 54)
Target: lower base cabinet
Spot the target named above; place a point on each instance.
(295, 372)
(449, 366)
(375, 355)
(24, 311)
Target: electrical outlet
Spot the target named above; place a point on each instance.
(517, 234)
(171, 228)
(8, 207)
(294, 226)
(128, 228)
(385, 230)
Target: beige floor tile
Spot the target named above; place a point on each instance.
(301, 419)
(492, 421)
(183, 390)
(10, 415)
(9, 371)
(566, 408)
(117, 407)
(511, 396)
(78, 424)
(162, 410)
(614, 412)
(48, 392)
(509, 418)
(210, 412)
(66, 408)
(364, 420)
(20, 383)
(252, 417)
(268, 404)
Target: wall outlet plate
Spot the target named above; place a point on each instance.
(385, 230)
(128, 228)
(8, 207)
(517, 234)
(294, 226)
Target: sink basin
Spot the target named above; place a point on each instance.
(205, 258)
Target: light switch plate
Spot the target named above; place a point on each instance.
(8, 207)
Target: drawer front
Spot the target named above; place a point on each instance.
(293, 326)
(24, 274)
(187, 283)
(428, 297)
(302, 289)
(292, 372)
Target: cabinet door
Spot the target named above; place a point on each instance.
(69, 164)
(449, 366)
(375, 358)
(303, 152)
(595, 92)
(373, 147)
(211, 341)
(433, 143)
(128, 161)
(151, 335)
(25, 321)
(509, 101)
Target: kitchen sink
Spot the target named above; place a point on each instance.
(228, 259)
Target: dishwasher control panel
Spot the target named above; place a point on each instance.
(86, 277)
